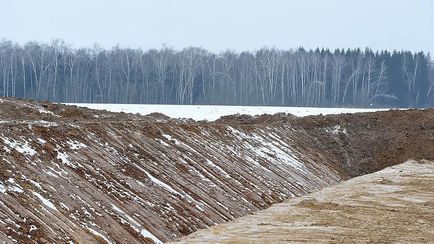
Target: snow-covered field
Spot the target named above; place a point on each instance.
(212, 112)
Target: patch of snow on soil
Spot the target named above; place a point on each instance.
(44, 111)
(225, 174)
(159, 182)
(63, 157)
(22, 148)
(94, 232)
(32, 228)
(62, 205)
(267, 150)
(75, 145)
(149, 235)
(162, 142)
(44, 123)
(336, 130)
(170, 138)
(51, 174)
(45, 201)
(136, 226)
(38, 185)
(41, 141)
(15, 187)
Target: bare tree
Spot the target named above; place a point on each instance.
(266, 77)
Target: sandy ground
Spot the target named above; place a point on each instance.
(393, 205)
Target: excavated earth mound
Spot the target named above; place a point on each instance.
(87, 176)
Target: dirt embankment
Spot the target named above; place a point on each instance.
(83, 175)
(375, 140)
(69, 173)
(363, 142)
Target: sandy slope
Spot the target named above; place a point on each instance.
(393, 205)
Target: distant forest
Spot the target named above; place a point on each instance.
(321, 77)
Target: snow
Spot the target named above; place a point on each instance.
(170, 138)
(225, 174)
(267, 150)
(99, 234)
(32, 228)
(336, 130)
(45, 201)
(44, 123)
(63, 157)
(149, 235)
(143, 231)
(2, 188)
(212, 112)
(162, 142)
(44, 111)
(51, 174)
(14, 186)
(38, 185)
(41, 141)
(22, 148)
(30, 123)
(159, 182)
(62, 205)
(75, 145)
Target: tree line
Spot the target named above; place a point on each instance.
(357, 78)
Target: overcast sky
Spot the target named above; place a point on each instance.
(223, 24)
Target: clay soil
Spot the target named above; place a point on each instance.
(119, 147)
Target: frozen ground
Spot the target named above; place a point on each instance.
(394, 205)
(212, 112)
(82, 175)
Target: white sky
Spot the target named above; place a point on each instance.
(223, 24)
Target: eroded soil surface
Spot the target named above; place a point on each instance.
(87, 176)
(393, 205)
